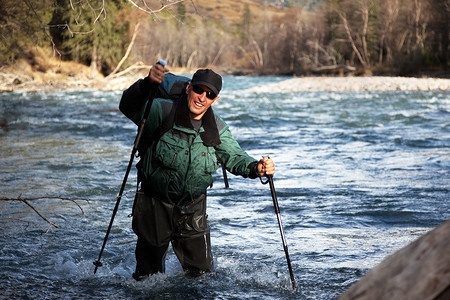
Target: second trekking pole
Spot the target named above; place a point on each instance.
(98, 263)
(277, 211)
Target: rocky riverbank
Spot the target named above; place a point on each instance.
(26, 81)
(14, 79)
(372, 83)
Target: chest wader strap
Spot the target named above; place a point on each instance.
(140, 178)
(224, 171)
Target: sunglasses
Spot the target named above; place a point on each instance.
(198, 90)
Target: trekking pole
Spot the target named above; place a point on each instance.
(277, 211)
(225, 177)
(98, 263)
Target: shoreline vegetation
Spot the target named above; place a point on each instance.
(66, 76)
(324, 45)
(106, 45)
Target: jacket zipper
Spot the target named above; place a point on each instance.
(173, 160)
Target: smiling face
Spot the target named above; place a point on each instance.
(199, 101)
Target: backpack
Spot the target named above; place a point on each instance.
(172, 87)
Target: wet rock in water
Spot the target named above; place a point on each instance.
(4, 124)
(418, 271)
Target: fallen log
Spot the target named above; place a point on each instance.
(419, 271)
(334, 69)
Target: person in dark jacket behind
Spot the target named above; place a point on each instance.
(176, 166)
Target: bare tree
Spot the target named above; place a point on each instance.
(354, 17)
(391, 10)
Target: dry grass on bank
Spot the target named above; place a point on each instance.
(42, 72)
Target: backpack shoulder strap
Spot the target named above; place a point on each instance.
(168, 118)
(172, 87)
(167, 121)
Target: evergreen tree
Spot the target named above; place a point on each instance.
(92, 33)
(22, 25)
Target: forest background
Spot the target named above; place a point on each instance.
(303, 37)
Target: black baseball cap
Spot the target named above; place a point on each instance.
(209, 78)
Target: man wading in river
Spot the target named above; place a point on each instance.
(182, 141)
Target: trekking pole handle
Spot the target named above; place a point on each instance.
(162, 62)
(280, 226)
(265, 157)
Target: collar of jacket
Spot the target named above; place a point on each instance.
(210, 134)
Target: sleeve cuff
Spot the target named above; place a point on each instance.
(253, 170)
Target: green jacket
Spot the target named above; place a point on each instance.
(178, 164)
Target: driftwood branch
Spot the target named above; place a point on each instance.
(26, 201)
(334, 68)
(136, 66)
(418, 271)
(39, 214)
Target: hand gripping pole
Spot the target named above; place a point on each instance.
(277, 211)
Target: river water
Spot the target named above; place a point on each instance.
(359, 176)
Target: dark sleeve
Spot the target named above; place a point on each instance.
(134, 98)
(253, 166)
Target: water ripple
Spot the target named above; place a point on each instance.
(358, 176)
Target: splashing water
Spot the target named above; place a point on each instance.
(359, 175)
